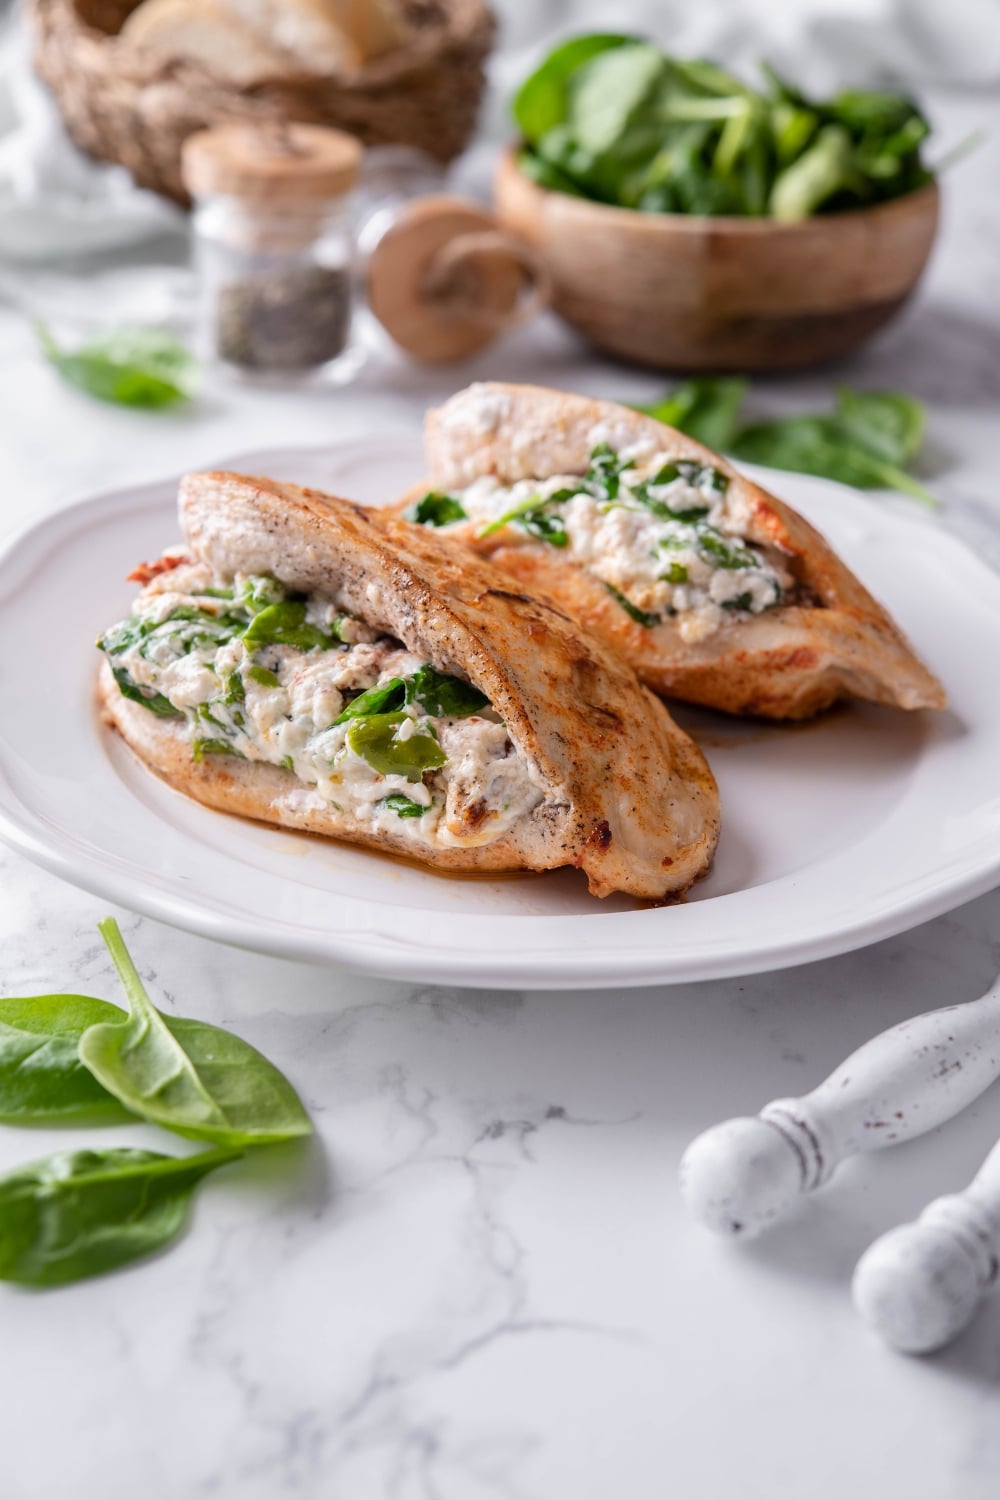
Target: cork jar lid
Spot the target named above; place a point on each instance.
(271, 163)
(445, 280)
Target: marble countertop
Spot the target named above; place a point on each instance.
(477, 1283)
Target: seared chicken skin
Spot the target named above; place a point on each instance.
(312, 663)
(712, 589)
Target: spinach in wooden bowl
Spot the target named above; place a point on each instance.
(614, 119)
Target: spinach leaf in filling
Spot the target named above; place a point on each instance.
(436, 509)
(201, 748)
(403, 806)
(604, 474)
(439, 695)
(374, 741)
(155, 702)
(640, 616)
(536, 517)
(285, 624)
(387, 698)
(442, 696)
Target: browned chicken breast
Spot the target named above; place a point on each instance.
(308, 662)
(713, 590)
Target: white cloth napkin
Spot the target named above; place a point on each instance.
(55, 202)
(823, 44)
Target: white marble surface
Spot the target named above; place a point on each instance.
(477, 1283)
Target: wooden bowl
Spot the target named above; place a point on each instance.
(683, 292)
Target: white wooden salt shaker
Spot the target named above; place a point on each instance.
(919, 1285)
(744, 1174)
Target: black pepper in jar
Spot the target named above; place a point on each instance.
(289, 319)
(274, 248)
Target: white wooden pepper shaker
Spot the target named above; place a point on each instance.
(919, 1285)
(744, 1174)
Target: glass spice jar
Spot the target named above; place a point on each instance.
(274, 251)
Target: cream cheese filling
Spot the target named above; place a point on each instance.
(659, 533)
(259, 676)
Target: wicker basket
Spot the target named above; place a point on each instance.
(122, 105)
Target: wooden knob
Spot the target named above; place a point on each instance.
(737, 1178)
(444, 281)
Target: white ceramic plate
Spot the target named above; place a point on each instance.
(834, 834)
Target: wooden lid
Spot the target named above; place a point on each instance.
(444, 280)
(276, 163)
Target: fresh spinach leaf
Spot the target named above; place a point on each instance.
(542, 99)
(194, 1079)
(700, 76)
(825, 169)
(866, 442)
(285, 624)
(704, 406)
(143, 368)
(537, 169)
(447, 697)
(404, 807)
(640, 616)
(436, 509)
(792, 130)
(42, 1079)
(886, 422)
(606, 92)
(868, 110)
(781, 89)
(740, 158)
(679, 178)
(614, 119)
(148, 697)
(79, 1213)
(387, 698)
(375, 741)
(820, 445)
(806, 445)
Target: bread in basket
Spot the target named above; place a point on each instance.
(128, 103)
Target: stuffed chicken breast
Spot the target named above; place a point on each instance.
(715, 591)
(311, 663)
